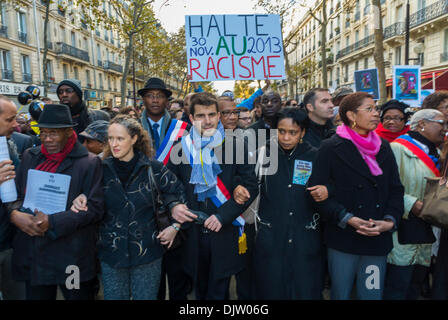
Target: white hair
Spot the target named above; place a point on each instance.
(425, 114)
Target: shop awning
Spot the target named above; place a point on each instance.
(441, 80)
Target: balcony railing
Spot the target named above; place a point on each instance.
(444, 57)
(27, 77)
(395, 29)
(428, 13)
(100, 63)
(22, 36)
(113, 66)
(357, 45)
(4, 31)
(7, 74)
(63, 48)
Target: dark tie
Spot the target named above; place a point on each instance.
(156, 136)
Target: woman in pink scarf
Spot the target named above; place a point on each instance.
(366, 201)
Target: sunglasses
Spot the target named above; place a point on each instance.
(68, 90)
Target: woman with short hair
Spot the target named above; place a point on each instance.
(367, 202)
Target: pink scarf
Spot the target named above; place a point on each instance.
(368, 147)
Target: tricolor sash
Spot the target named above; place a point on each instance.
(409, 143)
(222, 194)
(175, 131)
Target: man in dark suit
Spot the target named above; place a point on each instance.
(22, 142)
(10, 289)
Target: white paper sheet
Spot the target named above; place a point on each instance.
(46, 192)
(8, 192)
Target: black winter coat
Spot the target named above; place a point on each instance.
(357, 191)
(72, 240)
(316, 133)
(225, 260)
(127, 235)
(288, 260)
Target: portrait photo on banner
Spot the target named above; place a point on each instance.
(234, 47)
(406, 84)
(367, 81)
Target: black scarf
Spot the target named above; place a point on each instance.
(432, 147)
(124, 168)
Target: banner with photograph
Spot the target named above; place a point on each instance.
(367, 81)
(406, 84)
(234, 47)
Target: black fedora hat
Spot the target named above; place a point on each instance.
(56, 116)
(155, 83)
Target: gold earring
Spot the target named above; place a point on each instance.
(354, 125)
(301, 140)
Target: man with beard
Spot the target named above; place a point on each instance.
(69, 92)
(11, 290)
(319, 105)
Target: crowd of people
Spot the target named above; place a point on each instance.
(341, 211)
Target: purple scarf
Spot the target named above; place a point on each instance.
(368, 147)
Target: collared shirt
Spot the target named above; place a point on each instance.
(159, 129)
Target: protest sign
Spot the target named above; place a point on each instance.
(234, 47)
(406, 85)
(367, 81)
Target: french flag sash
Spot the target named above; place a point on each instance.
(175, 131)
(409, 143)
(222, 194)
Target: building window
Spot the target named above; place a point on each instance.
(366, 63)
(357, 65)
(75, 70)
(89, 85)
(62, 37)
(73, 38)
(50, 73)
(26, 69)
(398, 56)
(22, 28)
(65, 71)
(445, 42)
(346, 73)
(3, 15)
(5, 65)
(101, 81)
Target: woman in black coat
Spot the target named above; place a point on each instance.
(129, 245)
(288, 262)
(367, 202)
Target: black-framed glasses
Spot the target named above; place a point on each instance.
(397, 119)
(66, 90)
(228, 113)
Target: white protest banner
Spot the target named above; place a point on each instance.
(234, 47)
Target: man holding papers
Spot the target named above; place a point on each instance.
(55, 246)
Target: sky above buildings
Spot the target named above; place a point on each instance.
(172, 17)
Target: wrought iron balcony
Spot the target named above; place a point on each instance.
(27, 77)
(63, 48)
(7, 74)
(356, 46)
(4, 31)
(444, 57)
(395, 29)
(22, 36)
(113, 66)
(428, 13)
(100, 63)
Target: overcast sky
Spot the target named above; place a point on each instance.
(173, 14)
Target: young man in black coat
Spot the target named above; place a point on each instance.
(212, 251)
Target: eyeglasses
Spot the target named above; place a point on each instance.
(228, 113)
(440, 121)
(396, 119)
(67, 90)
(52, 135)
(371, 109)
(244, 118)
(150, 96)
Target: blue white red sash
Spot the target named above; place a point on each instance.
(175, 131)
(409, 143)
(222, 194)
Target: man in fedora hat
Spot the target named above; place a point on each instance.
(69, 92)
(164, 132)
(46, 246)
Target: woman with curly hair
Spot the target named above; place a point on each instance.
(130, 246)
